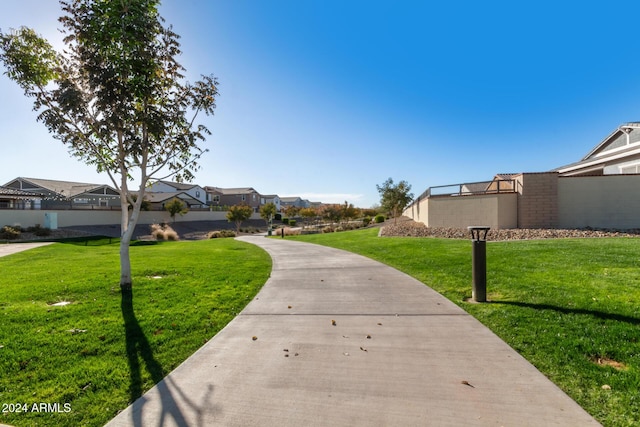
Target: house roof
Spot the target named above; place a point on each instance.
(62, 188)
(231, 191)
(620, 145)
(160, 197)
(12, 192)
(179, 185)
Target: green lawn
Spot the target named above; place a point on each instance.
(571, 307)
(105, 349)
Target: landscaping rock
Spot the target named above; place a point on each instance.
(417, 229)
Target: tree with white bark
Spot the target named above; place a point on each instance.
(116, 97)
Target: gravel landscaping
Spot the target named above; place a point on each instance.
(409, 228)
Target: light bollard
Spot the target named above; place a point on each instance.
(479, 262)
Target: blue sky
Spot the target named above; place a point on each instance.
(326, 99)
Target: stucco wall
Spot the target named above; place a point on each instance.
(494, 210)
(418, 211)
(610, 201)
(70, 218)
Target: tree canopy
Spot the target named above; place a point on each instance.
(395, 197)
(116, 96)
(239, 214)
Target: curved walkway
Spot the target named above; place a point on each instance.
(336, 339)
(14, 248)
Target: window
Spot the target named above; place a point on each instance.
(244, 197)
(630, 168)
(216, 198)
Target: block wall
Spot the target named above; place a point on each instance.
(538, 200)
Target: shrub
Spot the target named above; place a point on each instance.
(379, 219)
(288, 232)
(164, 232)
(366, 220)
(9, 233)
(292, 222)
(285, 220)
(39, 231)
(218, 234)
(328, 229)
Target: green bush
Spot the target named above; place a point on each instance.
(366, 220)
(292, 222)
(9, 233)
(285, 220)
(379, 219)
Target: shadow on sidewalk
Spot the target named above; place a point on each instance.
(139, 351)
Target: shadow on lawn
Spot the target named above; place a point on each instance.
(599, 314)
(139, 349)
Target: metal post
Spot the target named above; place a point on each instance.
(479, 262)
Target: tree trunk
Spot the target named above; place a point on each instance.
(126, 281)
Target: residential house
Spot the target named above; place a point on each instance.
(17, 199)
(197, 196)
(234, 196)
(271, 198)
(618, 153)
(67, 194)
(158, 200)
(602, 190)
(298, 202)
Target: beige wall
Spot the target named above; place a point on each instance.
(545, 200)
(538, 200)
(493, 210)
(419, 211)
(70, 218)
(610, 201)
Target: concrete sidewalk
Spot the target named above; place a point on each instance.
(14, 248)
(336, 339)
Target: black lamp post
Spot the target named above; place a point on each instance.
(479, 262)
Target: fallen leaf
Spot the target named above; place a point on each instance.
(606, 387)
(254, 338)
(368, 337)
(466, 383)
(363, 349)
(333, 322)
